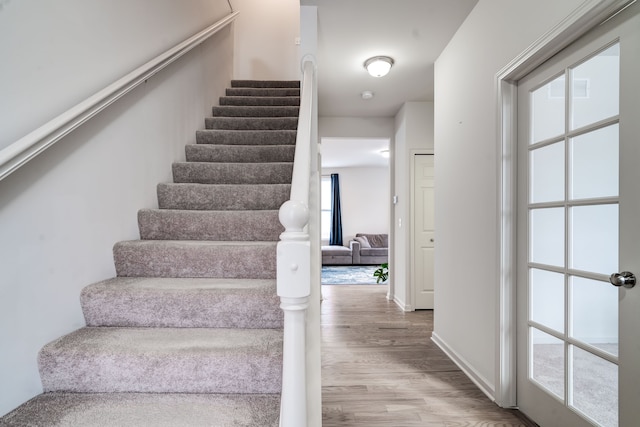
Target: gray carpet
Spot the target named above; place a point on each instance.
(595, 380)
(190, 332)
(164, 360)
(349, 275)
(182, 303)
(146, 410)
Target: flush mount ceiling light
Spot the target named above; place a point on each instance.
(378, 66)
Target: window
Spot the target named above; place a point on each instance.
(325, 207)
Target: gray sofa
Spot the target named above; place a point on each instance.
(370, 249)
(364, 249)
(336, 255)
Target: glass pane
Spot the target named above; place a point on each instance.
(594, 238)
(325, 224)
(547, 361)
(325, 193)
(547, 298)
(594, 164)
(595, 88)
(595, 387)
(547, 110)
(547, 236)
(547, 173)
(594, 313)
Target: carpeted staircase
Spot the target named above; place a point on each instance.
(189, 333)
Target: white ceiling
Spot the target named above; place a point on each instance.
(412, 32)
(354, 152)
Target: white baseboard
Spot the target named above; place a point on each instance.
(479, 380)
(402, 305)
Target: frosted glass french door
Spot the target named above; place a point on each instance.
(578, 223)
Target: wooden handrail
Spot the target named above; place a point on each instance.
(26, 148)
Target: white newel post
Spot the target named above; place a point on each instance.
(294, 288)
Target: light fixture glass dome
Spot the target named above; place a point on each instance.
(378, 66)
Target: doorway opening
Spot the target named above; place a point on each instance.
(360, 169)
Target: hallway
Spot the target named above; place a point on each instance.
(380, 368)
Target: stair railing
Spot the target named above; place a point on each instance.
(294, 262)
(28, 147)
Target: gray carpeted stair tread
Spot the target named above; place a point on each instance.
(182, 303)
(246, 137)
(251, 123)
(232, 173)
(188, 258)
(60, 409)
(254, 111)
(173, 224)
(236, 153)
(271, 92)
(163, 360)
(266, 83)
(274, 101)
(223, 196)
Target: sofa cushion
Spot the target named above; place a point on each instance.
(364, 242)
(376, 240)
(336, 250)
(373, 252)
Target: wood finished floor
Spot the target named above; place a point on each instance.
(380, 368)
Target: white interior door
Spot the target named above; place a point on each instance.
(579, 222)
(423, 230)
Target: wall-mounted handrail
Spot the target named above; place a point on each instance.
(26, 148)
(294, 262)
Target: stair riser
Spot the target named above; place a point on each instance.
(146, 309)
(239, 153)
(88, 361)
(223, 197)
(166, 259)
(146, 410)
(194, 303)
(272, 101)
(232, 173)
(235, 111)
(266, 83)
(246, 137)
(163, 224)
(270, 92)
(244, 123)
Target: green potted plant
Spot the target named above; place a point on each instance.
(382, 273)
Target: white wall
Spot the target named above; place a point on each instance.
(414, 131)
(356, 127)
(467, 167)
(361, 127)
(266, 33)
(364, 200)
(55, 54)
(61, 213)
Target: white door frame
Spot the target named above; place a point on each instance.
(411, 292)
(588, 15)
